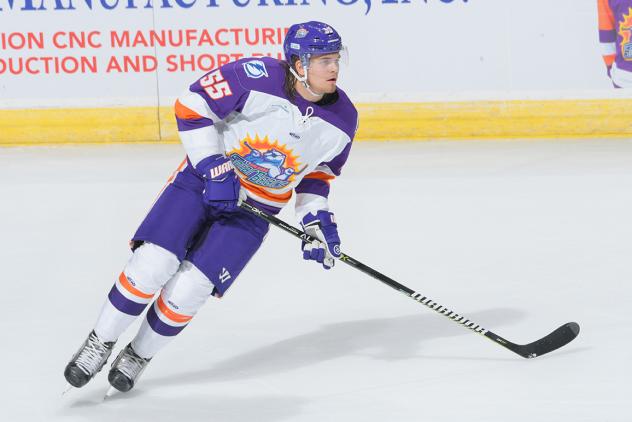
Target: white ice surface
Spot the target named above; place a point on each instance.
(518, 236)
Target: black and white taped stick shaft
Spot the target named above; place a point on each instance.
(554, 340)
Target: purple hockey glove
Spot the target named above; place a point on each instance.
(222, 190)
(323, 227)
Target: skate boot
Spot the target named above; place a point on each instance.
(88, 360)
(126, 369)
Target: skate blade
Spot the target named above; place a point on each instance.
(111, 391)
(67, 389)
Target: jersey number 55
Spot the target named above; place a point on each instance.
(215, 85)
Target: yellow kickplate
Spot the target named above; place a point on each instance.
(378, 122)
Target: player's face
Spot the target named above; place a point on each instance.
(323, 73)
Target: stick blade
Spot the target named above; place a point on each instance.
(558, 338)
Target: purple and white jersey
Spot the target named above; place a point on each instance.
(276, 144)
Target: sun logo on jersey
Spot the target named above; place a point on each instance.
(625, 31)
(266, 164)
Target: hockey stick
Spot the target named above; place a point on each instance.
(558, 338)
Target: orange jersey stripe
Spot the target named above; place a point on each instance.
(173, 175)
(280, 197)
(609, 59)
(170, 179)
(133, 290)
(184, 112)
(174, 316)
(606, 19)
(321, 176)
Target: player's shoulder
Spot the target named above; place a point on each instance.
(265, 74)
(346, 105)
(344, 113)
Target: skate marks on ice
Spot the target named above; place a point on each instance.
(185, 405)
(388, 339)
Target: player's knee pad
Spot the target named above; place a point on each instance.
(150, 267)
(188, 290)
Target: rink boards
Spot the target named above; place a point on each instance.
(587, 118)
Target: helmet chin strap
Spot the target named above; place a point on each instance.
(303, 80)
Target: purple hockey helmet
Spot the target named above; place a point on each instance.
(311, 38)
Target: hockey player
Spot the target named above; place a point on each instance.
(615, 37)
(254, 130)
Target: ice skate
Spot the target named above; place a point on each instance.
(88, 360)
(126, 369)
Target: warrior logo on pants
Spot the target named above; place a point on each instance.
(224, 276)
